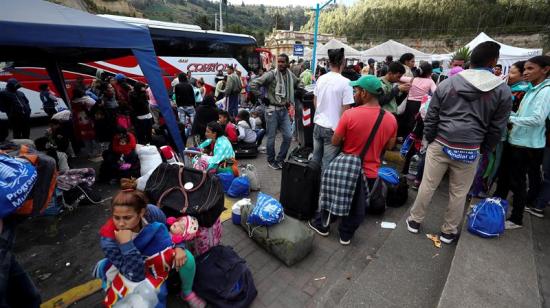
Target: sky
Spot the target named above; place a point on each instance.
(289, 2)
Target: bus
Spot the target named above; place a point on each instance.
(179, 48)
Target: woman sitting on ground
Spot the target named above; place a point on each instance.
(247, 134)
(139, 248)
(216, 145)
(121, 159)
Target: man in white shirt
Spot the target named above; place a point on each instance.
(333, 95)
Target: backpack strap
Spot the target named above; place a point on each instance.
(373, 133)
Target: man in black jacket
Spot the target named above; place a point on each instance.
(466, 117)
(16, 105)
(185, 98)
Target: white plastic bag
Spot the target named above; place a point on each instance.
(250, 172)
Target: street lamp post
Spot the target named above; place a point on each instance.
(318, 9)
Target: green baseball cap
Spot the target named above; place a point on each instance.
(369, 83)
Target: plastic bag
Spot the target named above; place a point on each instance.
(267, 212)
(487, 217)
(250, 172)
(240, 187)
(16, 182)
(226, 179)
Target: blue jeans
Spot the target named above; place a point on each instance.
(233, 105)
(323, 150)
(277, 119)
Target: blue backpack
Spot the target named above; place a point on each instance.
(16, 182)
(267, 212)
(226, 179)
(487, 217)
(240, 187)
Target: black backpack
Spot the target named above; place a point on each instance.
(223, 279)
(398, 194)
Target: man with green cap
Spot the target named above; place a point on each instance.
(353, 130)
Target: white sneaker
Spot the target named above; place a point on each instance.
(508, 225)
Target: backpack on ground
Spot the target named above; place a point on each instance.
(240, 187)
(398, 194)
(223, 279)
(376, 197)
(487, 217)
(289, 241)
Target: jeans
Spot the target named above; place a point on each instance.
(260, 133)
(544, 195)
(277, 119)
(521, 161)
(184, 112)
(323, 150)
(233, 104)
(349, 224)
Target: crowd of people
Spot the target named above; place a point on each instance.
(470, 121)
(482, 128)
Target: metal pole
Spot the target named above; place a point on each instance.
(221, 18)
(315, 29)
(216, 21)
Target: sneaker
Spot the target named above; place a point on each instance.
(535, 212)
(447, 238)
(274, 165)
(508, 225)
(193, 300)
(413, 226)
(345, 243)
(322, 231)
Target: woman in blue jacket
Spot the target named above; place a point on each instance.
(527, 138)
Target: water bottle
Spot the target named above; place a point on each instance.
(413, 167)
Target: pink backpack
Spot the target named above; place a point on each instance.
(206, 238)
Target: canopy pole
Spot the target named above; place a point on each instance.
(56, 75)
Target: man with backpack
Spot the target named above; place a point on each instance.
(233, 88)
(16, 105)
(467, 115)
(364, 133)
(280, 84)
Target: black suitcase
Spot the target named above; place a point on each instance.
(243, 150)
(300, 185)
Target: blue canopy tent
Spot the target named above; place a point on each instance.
(49, 35)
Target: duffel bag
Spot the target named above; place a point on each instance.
(223, 279)
(290, 240)
(181, 190)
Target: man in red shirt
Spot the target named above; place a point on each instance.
(352, 133)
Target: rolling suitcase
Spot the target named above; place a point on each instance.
(300, 185)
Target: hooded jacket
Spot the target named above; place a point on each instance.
(469, 109)
(13, 101)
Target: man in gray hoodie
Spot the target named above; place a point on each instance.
(466, 117)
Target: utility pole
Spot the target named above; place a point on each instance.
(216, 21)
(221, 16)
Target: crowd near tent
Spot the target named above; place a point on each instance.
(350, 52)
(46, 34)
(394, 49)
(508, 54)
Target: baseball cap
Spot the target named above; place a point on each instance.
(369, 83)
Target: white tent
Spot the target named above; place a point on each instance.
(308, 52)
(508, 54)
(349, 52)
(394, 49)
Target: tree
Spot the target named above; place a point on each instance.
(204, 22)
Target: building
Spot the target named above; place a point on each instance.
(283, 41)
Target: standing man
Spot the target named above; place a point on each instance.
(280, 84)
(16, 105)
(467, 115)
(332, 96)
(185, 98)
(233, 88)
(352, 133)
(394, 73)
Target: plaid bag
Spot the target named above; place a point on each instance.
(339, 180)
